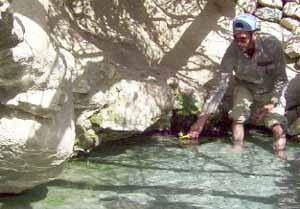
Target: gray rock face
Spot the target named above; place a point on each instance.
(248, 5)
(292, 46)
(271, 3)
(296, 1)
(123, 107)
(289, 23)
(269, 14)
(36, 117)
(292, 9)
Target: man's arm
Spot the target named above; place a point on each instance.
(215, 95)
(279, 76)
(280, 80)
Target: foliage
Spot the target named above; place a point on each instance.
(186, 104)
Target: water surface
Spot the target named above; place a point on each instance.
(155, 173)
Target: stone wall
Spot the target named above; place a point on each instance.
(284, 13)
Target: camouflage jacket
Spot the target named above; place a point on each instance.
(262, 73)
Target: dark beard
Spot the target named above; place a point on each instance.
(250, 52)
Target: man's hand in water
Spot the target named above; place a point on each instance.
(268, 108)
(261, 112)
(198, 126)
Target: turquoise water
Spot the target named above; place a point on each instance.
(155, 173)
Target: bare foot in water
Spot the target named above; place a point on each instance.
(281, 154)
(237, 148)
(189, 142)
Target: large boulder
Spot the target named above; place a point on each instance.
(36, 117)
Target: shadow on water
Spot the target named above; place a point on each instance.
(103, 156)
(24, 200)
(144, 157)
(158, 140)
(261, 138)
(290, 185)
(125, 188)
(158, 194)
(265, 200)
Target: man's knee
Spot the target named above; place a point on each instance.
(276, 122)
(239, 115)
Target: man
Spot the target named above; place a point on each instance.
(258, 64)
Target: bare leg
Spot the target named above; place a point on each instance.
(279, 141)
(237, 136)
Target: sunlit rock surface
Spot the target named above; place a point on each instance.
(269, 14)
(127, 108)
(271, 3)
(247, 5)
(289, 23)
(36, 118)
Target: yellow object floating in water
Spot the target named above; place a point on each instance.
(183, 136)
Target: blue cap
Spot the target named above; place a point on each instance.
(245, 22)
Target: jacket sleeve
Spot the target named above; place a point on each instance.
(279, 76)
(215, 95)
(220, 81)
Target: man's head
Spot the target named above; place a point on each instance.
(244, 27)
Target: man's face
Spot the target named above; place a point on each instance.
(244, 40)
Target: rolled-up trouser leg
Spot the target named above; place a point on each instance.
(242, 100)
(277, 122)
